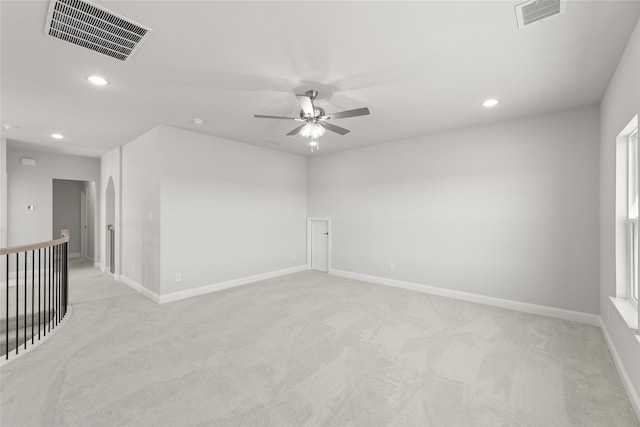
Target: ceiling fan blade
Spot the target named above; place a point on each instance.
(296, 130)
(334, 128)
(349, 113)
(307, 105)
(261, 116)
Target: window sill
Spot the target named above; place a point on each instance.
(628, 312)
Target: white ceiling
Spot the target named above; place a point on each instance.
(420, 67)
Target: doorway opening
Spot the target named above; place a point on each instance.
(319, 244)
(74, 214)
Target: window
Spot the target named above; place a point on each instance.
(632, 215)
(627, 226)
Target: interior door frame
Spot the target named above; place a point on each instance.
(321, 219)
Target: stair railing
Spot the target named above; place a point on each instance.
(34, 295)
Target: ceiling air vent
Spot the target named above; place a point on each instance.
(94, 27)
(537, 10)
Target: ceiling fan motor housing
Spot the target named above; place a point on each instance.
(317, 112)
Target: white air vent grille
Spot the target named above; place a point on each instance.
(93, 27)
(537, 10)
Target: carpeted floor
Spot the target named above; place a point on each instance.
(309, 350)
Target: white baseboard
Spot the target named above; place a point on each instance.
(131, 283)
(176, 296)
(139, 288)
(626, 381)
(558, 313)
(75, 255)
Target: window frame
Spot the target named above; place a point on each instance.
(633, 199)
(627, 225)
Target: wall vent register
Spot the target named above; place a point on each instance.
(533, 11)
(93, 27)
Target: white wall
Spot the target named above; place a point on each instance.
(3, 192)
(508, 210)
(144, 161)
(211, 209)
(33, 185)
(66, 212)
(620, 103)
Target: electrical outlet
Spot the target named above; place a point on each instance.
(392, 267)
(178, 277)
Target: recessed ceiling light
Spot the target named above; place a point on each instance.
(490, 103)
(97, 80)
(198, 121)
(9, 126)
(57, 136)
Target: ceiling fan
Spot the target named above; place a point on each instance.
(316, 121)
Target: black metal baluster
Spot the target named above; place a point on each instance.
(58, 288)
(17, 302)
(56, 285)
(66, 277)
(7, 311)
(47, 312)
(62, 252)
(44, 288)
(39, 289)
(62, 290)
(50, 277)
(53, 288)
(26, 253)
(33, 294)
(59, 281)
(59, 249)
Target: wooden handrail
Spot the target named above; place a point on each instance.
(33, 246)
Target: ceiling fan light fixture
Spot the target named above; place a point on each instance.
(312, 130)
(313, 143)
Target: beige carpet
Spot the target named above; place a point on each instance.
(309, 350)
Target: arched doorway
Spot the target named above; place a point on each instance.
(110, 216)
